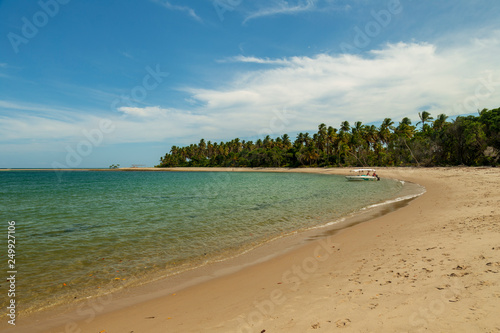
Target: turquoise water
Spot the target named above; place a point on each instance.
(92, 232)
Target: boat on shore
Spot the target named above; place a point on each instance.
(363, 174)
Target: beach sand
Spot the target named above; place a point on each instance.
(431, 266)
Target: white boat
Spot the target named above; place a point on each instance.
(363, 174)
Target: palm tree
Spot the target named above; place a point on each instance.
(287, 144)
(357, 132)
(344, 126)
(299, 140)
(342, 148)
(331, 137)
(371, 134)
(267, 142)
(440, 121)
(236, 145)
(321, 138)
(424, 117)
(258, 144)
(307, 138)
(210, 149)
(438, 142)
(406, 131)
(385, 130)
(249, 145)
(201, 148)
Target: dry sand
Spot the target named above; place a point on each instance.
(432, 266)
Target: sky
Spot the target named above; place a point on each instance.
(94, 83)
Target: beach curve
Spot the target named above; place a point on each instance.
(369, 277)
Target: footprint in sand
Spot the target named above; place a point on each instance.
(343, 322)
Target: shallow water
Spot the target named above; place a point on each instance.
(92, 232)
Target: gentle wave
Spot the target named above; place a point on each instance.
(420, 191)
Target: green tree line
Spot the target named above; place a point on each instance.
(467, 140)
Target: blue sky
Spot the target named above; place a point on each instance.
(94, 83)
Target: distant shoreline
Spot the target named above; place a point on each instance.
(240, 169)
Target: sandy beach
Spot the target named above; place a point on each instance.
(430, 266)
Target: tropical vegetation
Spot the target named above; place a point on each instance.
(466, 140)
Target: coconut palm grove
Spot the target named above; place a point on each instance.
(466, 140)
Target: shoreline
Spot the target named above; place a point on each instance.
(219, 278)
(252, 254)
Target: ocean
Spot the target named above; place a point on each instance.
(81, 234)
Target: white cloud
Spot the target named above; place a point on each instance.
(255, 60)
(146, 112)
(185, 9)
(281, 7)
(295, 7)
(36, 128)
(294, 94)
(395, 81)
(127, 55)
